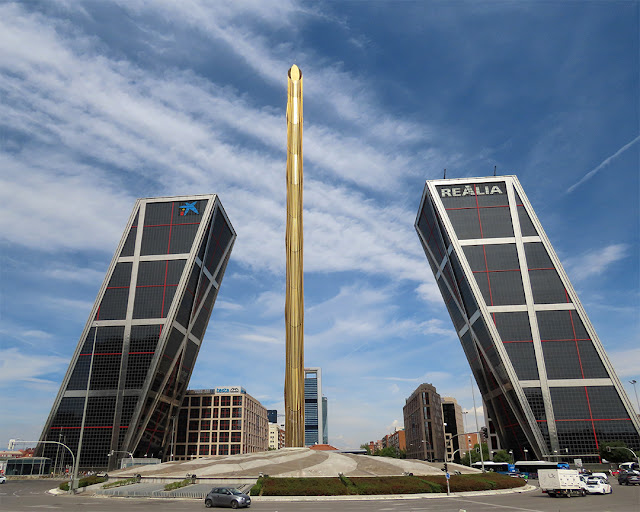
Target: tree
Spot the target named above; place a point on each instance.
(615, 455)
(475, 454)
(502, 456)
(365, 446)
(387, 452)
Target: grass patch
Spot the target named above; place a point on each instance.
(120, 483)
(341, 486)
(84, 482)
(177, 485)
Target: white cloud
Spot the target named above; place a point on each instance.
(595, 262)
(626, 362)
(18, 368)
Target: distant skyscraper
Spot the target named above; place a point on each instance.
(313, 407)
(130, 370)
(545, 378)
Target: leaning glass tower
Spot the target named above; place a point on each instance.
(544, 375)
(130, 370)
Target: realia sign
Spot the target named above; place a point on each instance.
(471, 190)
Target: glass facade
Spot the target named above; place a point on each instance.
(129, 373)
(544, 376)
(314, 408)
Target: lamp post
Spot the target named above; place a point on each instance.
(73, 457)
(513, 461)
(113, 452)
(525, 454)
(475, 412)
(634, 382)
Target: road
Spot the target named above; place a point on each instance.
(31, 496)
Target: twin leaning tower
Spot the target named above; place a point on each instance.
(545, 379)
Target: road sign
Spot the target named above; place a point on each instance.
(448, 476)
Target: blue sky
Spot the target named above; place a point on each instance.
(105, 102)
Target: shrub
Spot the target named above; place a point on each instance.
(303, 487)
(177, 485)
(120, 483)
(84, 482)
(257, 488)
(393, 485)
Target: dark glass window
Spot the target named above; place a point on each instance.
(237, 412)
(219, 239)
(130, 242)
(205, 425)
(513, 326)
(236, 424)
(430, 230)
(536, 402)
(523, 359)
(223, 437)
(546, 285)
(225, 412)
(223, 449)
(202, 321)
(206, 401)
(237, 401)
(195, 401)
(526, 226)
(204, 449)
(236, 437)
(454, 312)
(225, 400)
(224, 424)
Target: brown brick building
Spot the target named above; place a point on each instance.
(220, 421)
(423, 424)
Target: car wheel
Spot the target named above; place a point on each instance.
(234, 504)
(584, 493)
(208, 503)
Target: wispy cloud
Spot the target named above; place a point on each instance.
(602, 165)
(595, 262)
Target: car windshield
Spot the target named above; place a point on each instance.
(235, 491)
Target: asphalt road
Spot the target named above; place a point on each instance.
(31, 496)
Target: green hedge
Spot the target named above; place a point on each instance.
(84, 482)
(177, 485)
(120, 483)
(267, 486)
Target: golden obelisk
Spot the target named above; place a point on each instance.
(294, 302)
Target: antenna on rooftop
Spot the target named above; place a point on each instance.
(494, 169)
(445, 174)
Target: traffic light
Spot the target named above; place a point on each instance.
(485, 433)
(446, 468)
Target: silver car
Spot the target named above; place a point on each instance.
(226, 497)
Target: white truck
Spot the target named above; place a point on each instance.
(561, 482)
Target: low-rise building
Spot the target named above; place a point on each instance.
(220, 421)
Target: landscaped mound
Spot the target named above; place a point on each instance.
(269, 486)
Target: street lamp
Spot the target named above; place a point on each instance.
(113, 452)
(513, 461)
(525, 453)
(634, 382)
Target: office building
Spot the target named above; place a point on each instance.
(315, 408)
(453, 426)
(276, 436)
(544, 376)
(130, 370)
(221, 421)
(423, 425)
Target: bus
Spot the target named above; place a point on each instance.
(527, 468)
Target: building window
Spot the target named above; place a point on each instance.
(236, 424)
(223, 449)
(224, 424)
(225, 401)
(225, 412)
(206, 401)
(224, 437)
(236, 437)
(216, 400)
(204, 449)
(205, 425)
(237, 412)
(193, 425)
(206, 413)
(204, 437)
(237, 401)
(235, 449)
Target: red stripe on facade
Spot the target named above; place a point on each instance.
(598, 419)
(165, 225)
(478, 210)
(472, 208)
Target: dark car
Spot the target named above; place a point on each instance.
(226, 497)
(628, 478)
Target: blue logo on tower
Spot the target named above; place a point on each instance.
(188, 207)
